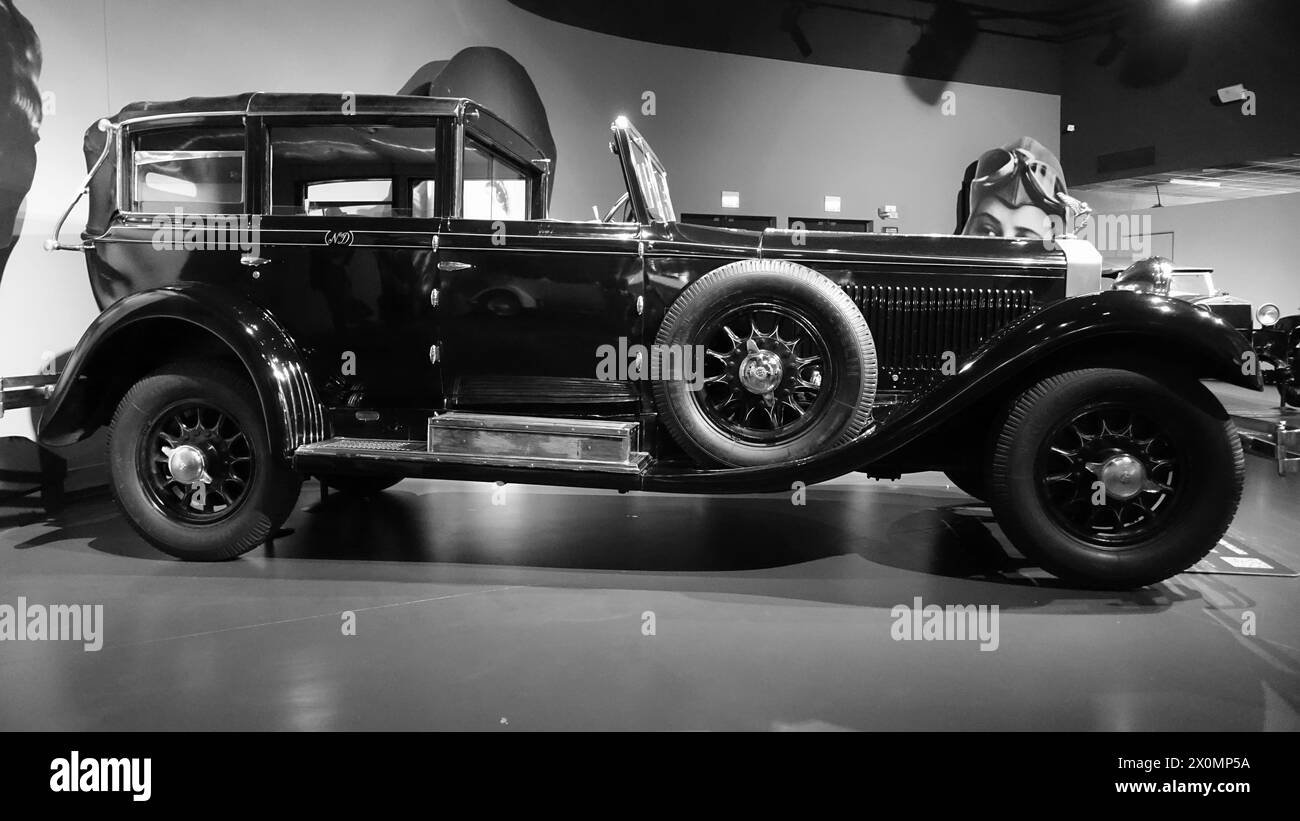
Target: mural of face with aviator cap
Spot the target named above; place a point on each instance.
(1018, 191)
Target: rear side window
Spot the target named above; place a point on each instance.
(196, 170)
(354, 198)
(491, 188)
(353, 170)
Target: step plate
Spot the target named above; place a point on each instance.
(513, 439)
(399, 453)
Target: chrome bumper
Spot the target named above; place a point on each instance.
(25, 391)
(1275, 440)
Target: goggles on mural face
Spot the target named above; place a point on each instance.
(1020, 179)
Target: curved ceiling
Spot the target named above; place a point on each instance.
(1006, 43)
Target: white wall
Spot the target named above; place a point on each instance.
(783, 134)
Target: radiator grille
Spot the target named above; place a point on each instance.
(913, 326)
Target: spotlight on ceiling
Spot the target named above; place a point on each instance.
(790, 25)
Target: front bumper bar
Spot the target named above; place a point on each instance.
(25, 391)
(1273, 439)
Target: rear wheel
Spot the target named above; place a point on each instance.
(192, 466)
(1114, 478)
(789, 365)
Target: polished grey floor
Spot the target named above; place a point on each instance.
(528, 614)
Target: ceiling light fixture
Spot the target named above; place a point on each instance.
(1198, 183)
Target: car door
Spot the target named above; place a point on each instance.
(529, 308)
(347, 260)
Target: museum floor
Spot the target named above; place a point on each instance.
(529, 614)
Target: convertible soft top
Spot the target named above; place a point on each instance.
(256, 103)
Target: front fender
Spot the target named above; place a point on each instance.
(137, 329)
(1076, 332)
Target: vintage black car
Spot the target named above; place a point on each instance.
(1277, 343)
(293, 287)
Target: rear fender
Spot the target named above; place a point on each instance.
(142, 331)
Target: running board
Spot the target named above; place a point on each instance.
(517, 442)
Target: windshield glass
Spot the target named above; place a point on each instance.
(1191, 283)
(652, 179)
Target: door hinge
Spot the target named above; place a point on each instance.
(433, 297)
(433, 354)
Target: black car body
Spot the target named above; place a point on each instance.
(410, 309)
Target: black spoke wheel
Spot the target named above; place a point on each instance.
(1110, 476)
(789, 365)
(766, 372)
(192, 466)
(204, 435)
(1114, 478)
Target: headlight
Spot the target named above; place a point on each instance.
(1148, 276)
(1268, 314)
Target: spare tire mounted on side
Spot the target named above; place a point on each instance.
(789, 365)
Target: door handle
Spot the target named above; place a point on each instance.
(453, 266)
(252, 261)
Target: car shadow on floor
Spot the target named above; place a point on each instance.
(849, 544)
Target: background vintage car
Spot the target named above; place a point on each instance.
(1196, 285)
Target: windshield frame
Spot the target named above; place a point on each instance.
(643, 173)
(1203, 277)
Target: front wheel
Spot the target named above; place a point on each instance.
(192, 466)
(1115, 479)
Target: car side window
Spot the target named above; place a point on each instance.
(353, 170)
(355, 198)
(195, 170)
(492, 188)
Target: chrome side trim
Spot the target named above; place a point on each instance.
(302, 414)
(179, 115)
(1011, 267)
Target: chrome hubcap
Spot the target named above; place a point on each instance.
(1123, 476)
(187, 465)
(196, 463)
(1127, 454)
(761, 371)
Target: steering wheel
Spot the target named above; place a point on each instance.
(622, 201)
